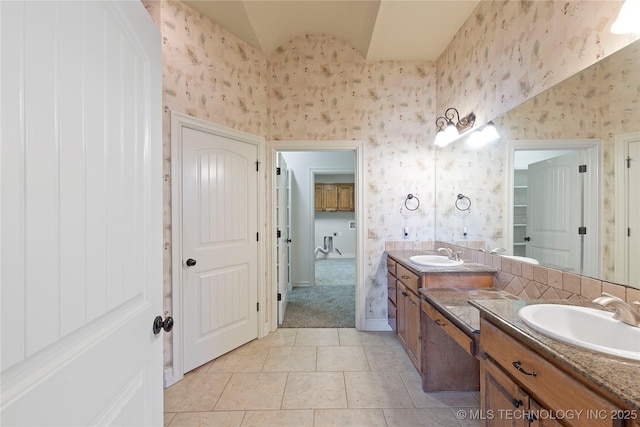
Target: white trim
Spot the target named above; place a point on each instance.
(377, 325)
(178, 122)
(593, 220)
(358, 148)
(621, 255)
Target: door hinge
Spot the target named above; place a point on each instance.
(278, 171)
(628, 159)
(582, 230)
(257, 237)
(279, 296)
(582, 169)
(257, 306)
(628, 232)
(257, 166)
(278, 234)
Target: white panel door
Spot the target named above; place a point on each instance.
(554, 204)
(219, 226)
(81, 214)
(283, 214)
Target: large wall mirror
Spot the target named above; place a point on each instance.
(529, 191)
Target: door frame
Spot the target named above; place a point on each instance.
(593, 193)
(621, 253)
(178, 122)
(272, 281)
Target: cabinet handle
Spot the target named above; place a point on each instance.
(518, 366)
(404, 294)
(404, 277)
(516, 403)
(440, 323)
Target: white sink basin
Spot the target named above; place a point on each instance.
(523, 259)
(584, 327)
(435, 261)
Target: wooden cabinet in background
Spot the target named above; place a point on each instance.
(334, 197)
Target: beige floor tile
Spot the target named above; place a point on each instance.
(317, 336)
(203, 368)
(376, 390)
(350, 336)
(349, 417)
(390, 338)
(413, 382)
(310, 390)
(279, 418)
(351, 358)
(432, 417)
(290, 359)
(388, 358)
(468, 417)
(168, 416)
(240, 360)
(196, 392)
(253, 391)
(282, 337)
(204, 419)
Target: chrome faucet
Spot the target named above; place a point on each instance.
(450, 253)
(624, 312)
(497, 251)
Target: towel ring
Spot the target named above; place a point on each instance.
(463, 203)
(409, 197)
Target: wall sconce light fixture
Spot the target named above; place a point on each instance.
(450, 126)
(627, 21)
(484, 135)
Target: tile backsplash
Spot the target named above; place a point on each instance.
(528, 281)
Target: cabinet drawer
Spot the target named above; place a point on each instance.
(391, 266)
(409, 279)
(392, 313)
(548, 385)
(391, 287)
(452, 330)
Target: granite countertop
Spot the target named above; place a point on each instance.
(403, 258)
(616, 376)
(454, 304)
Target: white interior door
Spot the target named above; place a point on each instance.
(554, 205)
(633, 216)
(81, 214)
(283, 215)
(219, 247)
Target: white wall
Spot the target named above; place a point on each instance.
(306, 165)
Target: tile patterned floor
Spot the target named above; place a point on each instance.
(314, 377)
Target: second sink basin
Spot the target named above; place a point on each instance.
(584, 327)
(435, 261)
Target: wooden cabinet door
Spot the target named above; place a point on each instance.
(330, 197)
(345, 197)
(502, 399)
(412, 313)
(319, 197)
(401, 320)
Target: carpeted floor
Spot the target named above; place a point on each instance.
(329, 304)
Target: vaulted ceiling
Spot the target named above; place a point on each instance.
(413, 30)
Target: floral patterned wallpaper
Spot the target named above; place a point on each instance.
(598, 103)
(317, 87)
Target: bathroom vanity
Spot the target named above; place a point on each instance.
(404, 279)
(526, 373)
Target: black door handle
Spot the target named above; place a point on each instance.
(159, 324)
(288, 240)
(527, 239)
(191, 262)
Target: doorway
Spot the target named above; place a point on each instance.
(555, 203)
(303, 234)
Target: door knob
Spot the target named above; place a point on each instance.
(191, 262)
(288, 240)
(527, 239)
(159, 324)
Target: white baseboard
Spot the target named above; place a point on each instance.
(377, 325)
